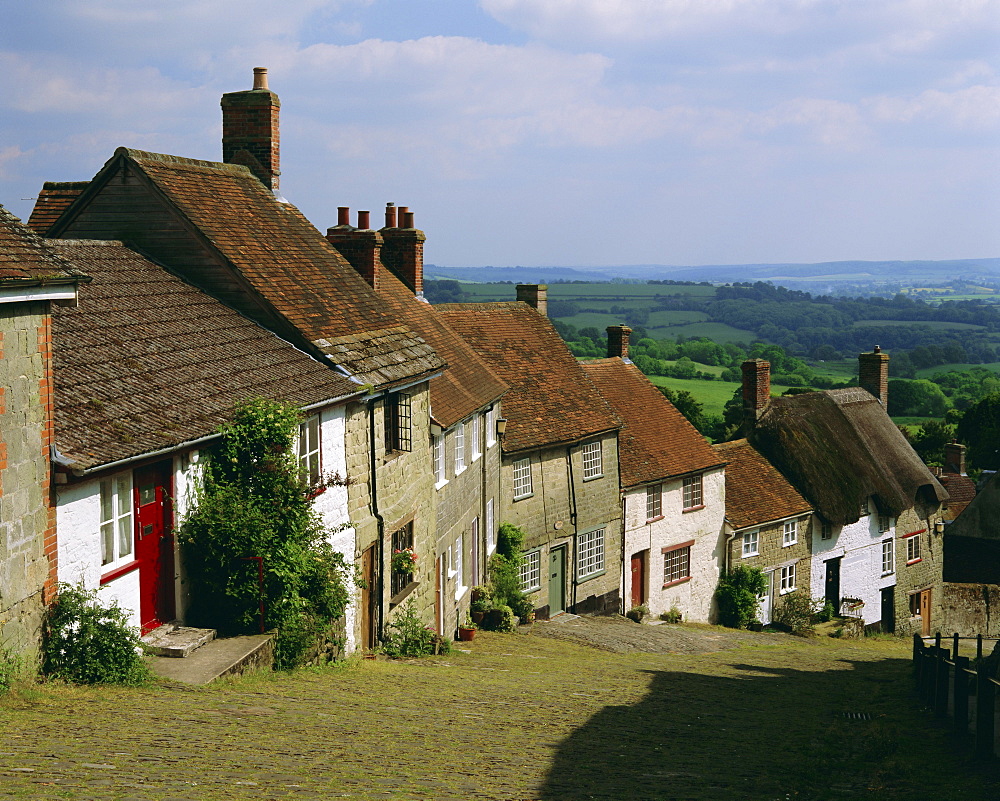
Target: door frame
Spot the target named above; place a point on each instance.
(642, 557)
(156, 559)
(560, 552)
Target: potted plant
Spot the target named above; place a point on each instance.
(403, 561)
(637, 613)
(524, 609)
(481, 603)
(467, 630)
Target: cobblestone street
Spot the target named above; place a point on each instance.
(638, 712)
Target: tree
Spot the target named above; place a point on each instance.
(687, 405)
(979, 429)
(254, 504)
(930, 440)
(737, 595)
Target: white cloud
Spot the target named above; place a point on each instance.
(973, 109)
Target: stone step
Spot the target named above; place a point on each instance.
(175, 642)
(227, 656)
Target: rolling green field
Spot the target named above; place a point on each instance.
(939, 325)
(711, 394)
(929, 372)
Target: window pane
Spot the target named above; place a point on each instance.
(124, 536)
(107, 543)
(107, 502)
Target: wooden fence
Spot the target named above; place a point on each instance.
(951, 687)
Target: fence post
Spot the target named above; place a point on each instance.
(960, 704)
(939, 696)
(954, 648)
(985, 714)
(979, 646)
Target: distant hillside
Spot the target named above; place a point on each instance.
(837, 277)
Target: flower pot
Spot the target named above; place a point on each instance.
(528, 618)
(465, 635)
(477, 617)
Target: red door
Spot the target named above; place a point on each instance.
(638, 579)
(154, 544)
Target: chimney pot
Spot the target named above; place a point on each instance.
(403, 251)
(618, 336)
(343, 215)
(535, 295)
(390, 215)
(260, 79)
(364, 220)
(407, 221)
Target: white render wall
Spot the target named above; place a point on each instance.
(332, 504)
(78, 533)
(860, 545)
(705, 526)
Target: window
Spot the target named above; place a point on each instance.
(531, 571)
(787, 579)
(474, 437)
(308, 449)
(398, 422)
(522, 478)
(459, 448)
(864, 507)
(884, 523)
(915, 605)
(116, 520)
(460, 587)
(401, 540)
(750, 542)
(825, 530)
(491, 426)
(692, 492)
(654, 501)
(888, 557)
(913, 549)
(789, 533)
(676, 564)
(590, 558)
(437, 445)
(491, 534)
(592, 464)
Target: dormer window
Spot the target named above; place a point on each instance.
(865, 511)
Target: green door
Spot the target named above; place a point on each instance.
(557, 580)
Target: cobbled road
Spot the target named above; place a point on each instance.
(586, 708)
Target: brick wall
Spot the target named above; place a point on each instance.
(27, 518)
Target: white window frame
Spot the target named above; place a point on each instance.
(884, 524)
(491, 533)
(865, 507)
(590, 554)
(789, 533)
(693, 492)
(676, 564)
(751, 543)
(913, 549)
(531, 571)
(491, 426)
(474, 441)
(459, 439)
(825, 530)
(438, 457)
(522, 478)
(451, 562)
(309, 449)
(654, 502)
(117, 529)
(460, 586)
(888, 557)
(593, 460)
(787, 580)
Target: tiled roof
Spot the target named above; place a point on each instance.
(25, 258)
(282, 260)
(838, 447)
(756, 493)
(961, 492)
(146, 361)
(656, 440)
(551, 399)
(52, 201)
(468, 384)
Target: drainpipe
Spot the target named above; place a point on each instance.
(380, 550)
(572, 517)
(621, 599)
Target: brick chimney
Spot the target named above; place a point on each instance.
(873, 372)
(535, 295)
(618, 341)
(403, 248)
(756, 389)
(250, 130)
(954, 458)
(361, 246)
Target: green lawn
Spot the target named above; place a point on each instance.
(930, 372)
(711, 394)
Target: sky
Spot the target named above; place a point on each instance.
(549, 132)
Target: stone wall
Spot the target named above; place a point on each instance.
(970, 609)
(913, 577)
(27, 518)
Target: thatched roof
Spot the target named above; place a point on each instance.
(839, 447)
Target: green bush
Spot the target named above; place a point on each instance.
(12, 667)
(737, 596)
(796, 611)
(826, 614)
(254, 502)
(86, 642)
(508, 601)
(406, 635)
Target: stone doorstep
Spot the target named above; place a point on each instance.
(173, 640)
(220, 657)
